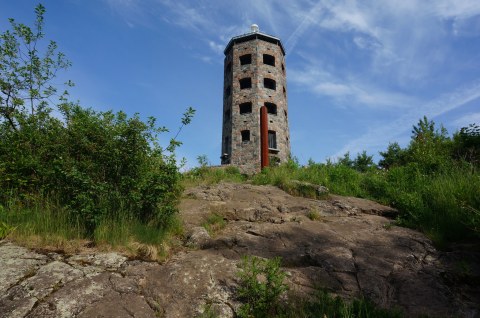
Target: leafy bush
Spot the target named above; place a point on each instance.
(80, 166)
(261, 286)
(263, 293)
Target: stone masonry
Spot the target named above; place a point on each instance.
(255, 56)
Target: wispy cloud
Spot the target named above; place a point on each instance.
(465, 120)
(351, 91)
(378, 137)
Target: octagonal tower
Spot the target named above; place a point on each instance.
(255, 112)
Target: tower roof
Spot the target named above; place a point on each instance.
(251, 36)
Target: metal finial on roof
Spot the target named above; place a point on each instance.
(254, 28)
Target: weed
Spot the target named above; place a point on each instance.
(208, 312)
(214, 223)
(5, 229)
(314, 215)
(388, 226)
(261, 287)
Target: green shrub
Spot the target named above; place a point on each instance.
(261, 286)
(94, 167)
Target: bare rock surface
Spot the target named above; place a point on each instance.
(350, 248)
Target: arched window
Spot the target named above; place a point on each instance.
(269, 59)
(245, 108)
(271, 108)
(245, 83)
(269, 83)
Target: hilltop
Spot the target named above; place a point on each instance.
(345, 245)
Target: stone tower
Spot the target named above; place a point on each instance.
(255, 113)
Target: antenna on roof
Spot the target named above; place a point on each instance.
(254, 28)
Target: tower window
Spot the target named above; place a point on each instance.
(269, 59)
(245, 135)
(272, 139)
(227, 91)
(245, 108)
(245, 83)
(246, 59)
(285, 112)
(284, 91)
(227, 115)
(283, 68)
(269, 83)
(228, 69)
(271, 108)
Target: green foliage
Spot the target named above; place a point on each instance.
(430, 147)
(93, 164)
(322, 304)
(211, 175)
(363, 162)
(346, 160)
(263, 293)
(202, 161)
(434, 182)
(80, 169)
(26, 73)
(313, 215)
(261, 287)
(393, 156)
(5, 229)
(214, 223)
(466, 144)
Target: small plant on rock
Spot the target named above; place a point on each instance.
(314, 215)
(261, 287)
(214, 223)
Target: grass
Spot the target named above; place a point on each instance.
(443, 204)
(264, 294)
(212, 175)
(314, 215)
(46, 224)
(214, 223)
(323, 304)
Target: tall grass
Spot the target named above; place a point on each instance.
(211, 175)
(445, 204)
(44, 222)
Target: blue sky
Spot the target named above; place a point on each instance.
(360, 73)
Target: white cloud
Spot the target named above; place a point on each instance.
(216, 47)
(460, 9)
(351, 91)
(464, 121)
(378, 137)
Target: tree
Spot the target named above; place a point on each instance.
(363, 162)
(430, 147)
(26, 73)
(345, 160)
(394, 156)
(92, 165)
(466, 144)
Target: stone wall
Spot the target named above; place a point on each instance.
(246, 154)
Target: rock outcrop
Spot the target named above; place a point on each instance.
(349, 247)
